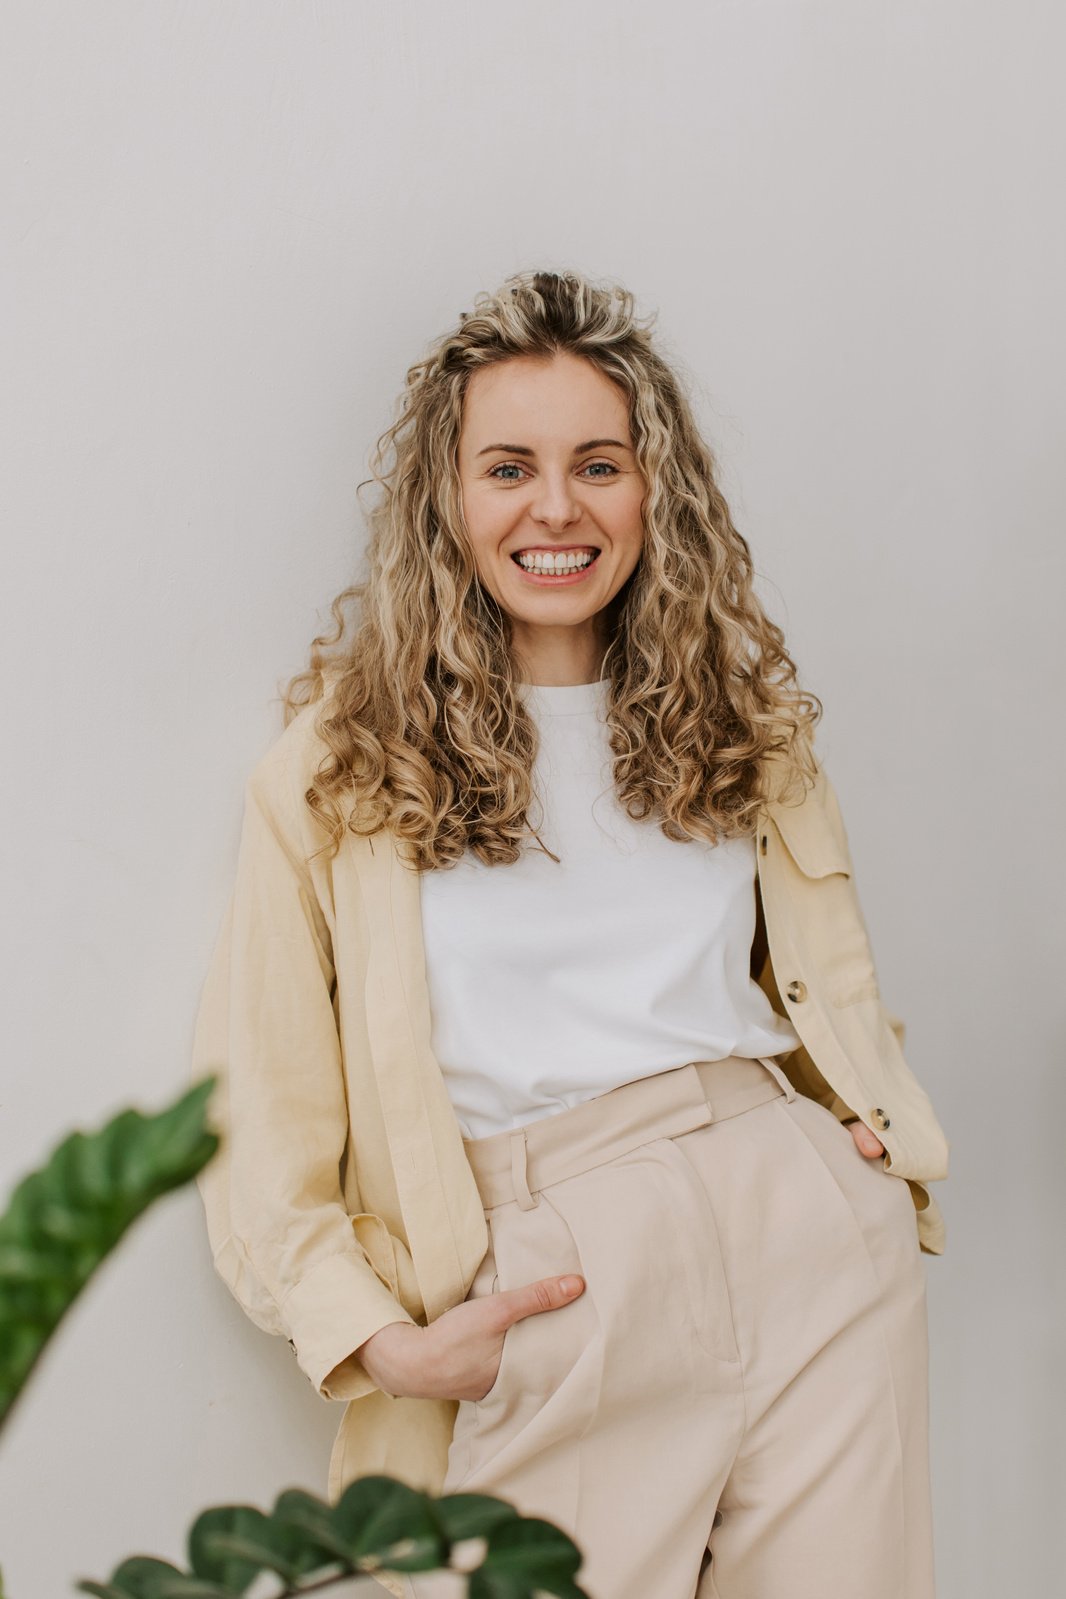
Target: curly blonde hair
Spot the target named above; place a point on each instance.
(426, 732)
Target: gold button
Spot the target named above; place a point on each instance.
(796, 991)
(879, 1119)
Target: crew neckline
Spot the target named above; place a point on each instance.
(564, 699)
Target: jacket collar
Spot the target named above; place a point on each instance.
(433, 1175)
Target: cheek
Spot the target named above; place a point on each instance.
(487, 518)
(628, 512)
(626, 522)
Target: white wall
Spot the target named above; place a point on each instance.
(228, 228)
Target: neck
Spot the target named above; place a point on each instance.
(557, 657)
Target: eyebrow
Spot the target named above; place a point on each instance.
(579, 449)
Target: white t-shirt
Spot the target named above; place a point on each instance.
(552, 983)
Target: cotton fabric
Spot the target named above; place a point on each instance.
(737, 1405)
(342, 1198)
(552, 981)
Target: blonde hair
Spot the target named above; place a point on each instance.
(426, 732)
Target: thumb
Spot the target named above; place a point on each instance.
(546, 1294)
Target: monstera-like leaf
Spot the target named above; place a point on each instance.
(62, 1221)
(66, 1216)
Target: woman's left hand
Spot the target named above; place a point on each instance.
(866, 1142)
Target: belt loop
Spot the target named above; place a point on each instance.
(776, 1071)
(525, 1199)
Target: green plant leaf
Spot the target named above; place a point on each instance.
(472, 1515)
(387, 1523)
(525, 1556)
(64, 1218)
(313, 1517)
(143, 1577)
(232, 1544)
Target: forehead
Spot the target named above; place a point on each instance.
(536, 397)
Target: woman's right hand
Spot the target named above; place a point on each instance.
(458, 1355)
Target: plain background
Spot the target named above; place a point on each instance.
(228, 228)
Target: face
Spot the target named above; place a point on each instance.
(549, 475)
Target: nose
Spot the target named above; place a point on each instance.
(554, 504)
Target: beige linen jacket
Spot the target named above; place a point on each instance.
(341, 1198)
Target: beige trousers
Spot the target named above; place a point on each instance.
(737, 1405)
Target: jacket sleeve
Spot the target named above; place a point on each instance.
(281, 1236)
(895, 1022)
(798, 1065)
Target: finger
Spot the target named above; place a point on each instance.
(546, 1294)
(867, 1142)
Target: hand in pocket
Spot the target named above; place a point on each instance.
(458, 1356)
(866, 1141)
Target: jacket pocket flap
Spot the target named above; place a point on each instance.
(376, 1240)
(810, 837)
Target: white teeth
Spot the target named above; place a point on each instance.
(548, 562)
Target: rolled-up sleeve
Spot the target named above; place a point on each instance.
(281, 1236)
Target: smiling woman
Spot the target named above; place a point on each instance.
(559, 512)
(568, 1138)
(547, 423)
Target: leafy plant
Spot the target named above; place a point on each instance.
(377, 1524)
(62, 1221)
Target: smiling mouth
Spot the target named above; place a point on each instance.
(546, 563)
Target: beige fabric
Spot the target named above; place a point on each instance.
(746, 1372)
(343, 1198)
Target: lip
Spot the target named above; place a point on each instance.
(552, 549)
(555, 579)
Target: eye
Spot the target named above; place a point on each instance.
(601, 469)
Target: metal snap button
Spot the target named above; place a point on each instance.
(796, 991)
(879, 1119)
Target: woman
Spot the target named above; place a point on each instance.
(568, 1138)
